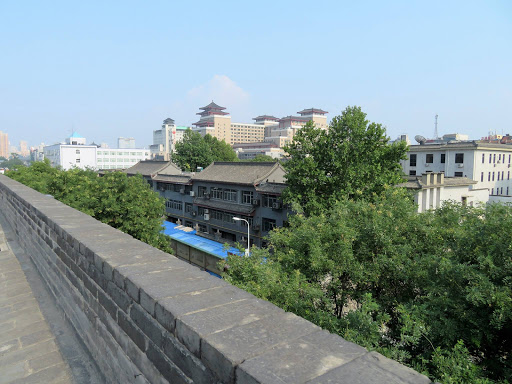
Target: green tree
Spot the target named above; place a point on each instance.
(430, 290)
(352, 159)
(13, 163)
(192, 152)
(197, 151)
(125, 203)
(221, 151)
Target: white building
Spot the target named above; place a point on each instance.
(110, 158)
(165, 139)
(75, 153)
(431, 190)
(487, 164)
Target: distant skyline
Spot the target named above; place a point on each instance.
(118, 69)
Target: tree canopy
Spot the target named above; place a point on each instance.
(430, 290)
(197, 151)
(125, 203)
(353, 158)
(13, 163)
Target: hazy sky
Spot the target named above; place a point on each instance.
(119, 68)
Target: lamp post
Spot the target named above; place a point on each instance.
(248, 235)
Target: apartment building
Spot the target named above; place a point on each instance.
(4, 145)
(488, 164)
(209, 201)
(432, 189)
(75, 153)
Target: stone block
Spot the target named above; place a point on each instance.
(132, 331)
(166, 367)
(107, 303)
(191, 328)
(169, 309)
(147, 324)
(223, 351)
(119, 296)
(372, 368)
(299, 360)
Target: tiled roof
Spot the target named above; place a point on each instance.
(224, 206)
(239, 172)
(152, 167)
(265, 117)
(416, 183)
(175, 179)
(212, 105)
(309, 111)
(271, 188)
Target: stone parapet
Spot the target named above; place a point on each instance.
(148, 317)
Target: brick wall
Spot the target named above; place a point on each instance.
(147, 317)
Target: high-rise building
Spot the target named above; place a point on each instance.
(165, 139)
(24, 150)
(125, 142)
(4, 145)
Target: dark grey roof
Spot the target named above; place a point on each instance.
(250, 173)
(415, 182)
(294, 118)
(271, 188)
(175, 179)
(212, 105)
(169, 121)
(224, 206)
(152, 167)
(312, 110)
(265, 117)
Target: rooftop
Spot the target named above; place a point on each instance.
(311, 111)
(152, 167)
(250, 173)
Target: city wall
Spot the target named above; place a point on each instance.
(148, 317)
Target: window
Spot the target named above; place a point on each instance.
(412, 160)
(201, 191)
(494, 158)
(249, 219)
(507, 191)
(188, 208)
(412, 173)
(493, 176)
(202, 228)
(490, 158)
(492, 191)
(502, 175)
(78, 161)
(247, 197)
(458, 174)
(489, 177)
(498, 176)
(268, 200)
(443, 158)
(174, 204)
(501, 191)
(268, 224)
(459, 158)
(230, 195)
(482, 176)
(483, 157)
(429, 158)
(508, 175)
(77, 151)
(217, 193)
(509, 156)
(499, 158)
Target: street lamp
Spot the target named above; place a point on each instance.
(248, 235)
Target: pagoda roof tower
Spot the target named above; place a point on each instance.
(209, 112)
(312, 111)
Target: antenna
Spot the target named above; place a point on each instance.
(436, 136)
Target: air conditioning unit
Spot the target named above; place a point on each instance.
(193, 213)
(276, 205)
(255, 202)
(206, 211)
(461, 165)
(206, 217)
(182, 191)
(192, 193)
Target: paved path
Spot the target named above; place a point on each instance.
(28, 349)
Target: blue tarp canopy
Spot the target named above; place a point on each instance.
(190, 238)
